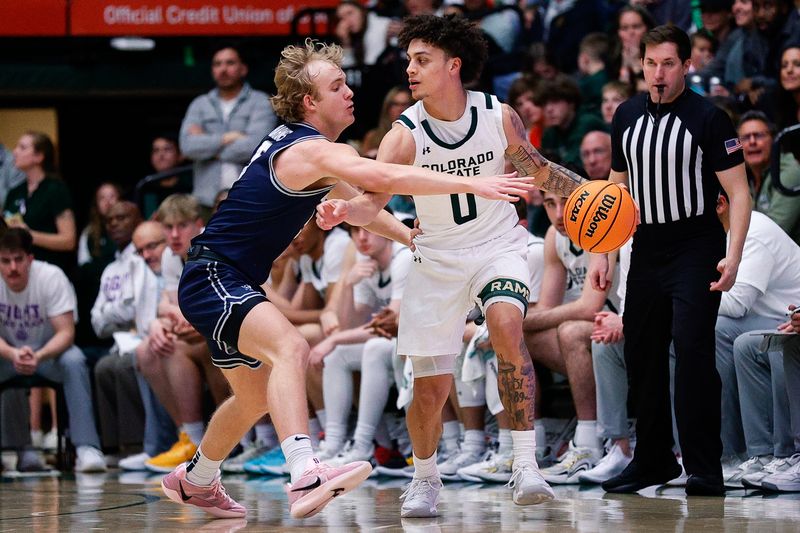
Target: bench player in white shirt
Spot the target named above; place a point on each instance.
(470, 251)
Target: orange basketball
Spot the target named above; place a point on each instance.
(600, 216)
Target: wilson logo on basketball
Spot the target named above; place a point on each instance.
(606, 204)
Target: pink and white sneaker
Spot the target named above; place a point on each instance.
(321, 483)
(212, 499)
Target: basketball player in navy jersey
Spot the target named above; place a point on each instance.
(295, 166)
(471, 251)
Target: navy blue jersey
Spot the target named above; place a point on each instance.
(261, 215)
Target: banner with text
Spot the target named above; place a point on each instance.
(187, 17)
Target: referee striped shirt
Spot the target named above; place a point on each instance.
(672, 155)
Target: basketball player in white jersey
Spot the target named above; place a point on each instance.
(470, 251)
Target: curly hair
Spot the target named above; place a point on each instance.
(293, 80)
(453, 34)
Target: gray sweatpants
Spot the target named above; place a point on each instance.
(727, 330)
(791, 367)
(763, 398)
(70, 370)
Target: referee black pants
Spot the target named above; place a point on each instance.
(668, 299)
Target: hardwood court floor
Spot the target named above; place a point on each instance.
(118, 503)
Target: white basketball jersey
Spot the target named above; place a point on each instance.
(576, 261)
(473, 145)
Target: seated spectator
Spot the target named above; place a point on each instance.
(625, 63)
(42, 204)
(522, 96)
(788, 480)
(95, 251)
(756, 134)
(164, 156)
(592, 56)
(704, 46)
(766, 278)
(565, 127)
(558, 335)
(596, 155)
(397, 100)
(114, 312)
(376, 280)
(539, 62)
(174, 359)
(789, 91)
(728, 62)
(717, 18)
(37, 334)
(362, 34)
(614, 93)
(565, 24)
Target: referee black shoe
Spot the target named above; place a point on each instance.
(704, 486)
(634, 478)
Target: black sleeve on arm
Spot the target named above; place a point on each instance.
(721, 146)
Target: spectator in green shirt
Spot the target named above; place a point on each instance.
(42, 203)
(564, 126)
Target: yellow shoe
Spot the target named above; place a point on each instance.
(181, 452)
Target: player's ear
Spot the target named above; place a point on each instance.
(308, 102)
(455, 64)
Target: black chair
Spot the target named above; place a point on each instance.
(64, 454)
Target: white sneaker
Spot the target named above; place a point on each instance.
(777, 465)
(134, 463)
(89, 459)
(448, 470)
(406, 472)
(251, 451)
(751, 466)
(786, 481)
(614, 462)
(351, 454)
(495, 468)
(421, 498)
(529, 486)
(50, 440)
(327, 450)
(570, 465)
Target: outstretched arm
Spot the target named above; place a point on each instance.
(529, 162)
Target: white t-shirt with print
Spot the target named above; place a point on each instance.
(25, 316)
(384, 286)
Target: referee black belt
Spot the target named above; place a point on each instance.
(198, 251)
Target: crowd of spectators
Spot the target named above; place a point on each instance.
(96, 310)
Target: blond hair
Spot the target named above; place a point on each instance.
(178, 208)
(293, 80)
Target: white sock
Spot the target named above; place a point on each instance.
(322, 417)
(297, 450)
(541, 434)
(506, 445)
(586, 435)
(474, 441)
(265, 433)
(451, 432)
(315, 429)
(524, 443)
(194, 430)
(424, 468)
(201, 470)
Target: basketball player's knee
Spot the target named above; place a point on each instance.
(146, 360)
(429, 397)
(573, 331)
(506, 329)
(293, 350)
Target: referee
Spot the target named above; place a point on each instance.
(674, 149)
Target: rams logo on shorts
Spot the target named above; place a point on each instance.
(506, 287)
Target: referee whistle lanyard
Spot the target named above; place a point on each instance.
(657, 116)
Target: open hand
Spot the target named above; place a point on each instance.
(506, 187)
(331, 213)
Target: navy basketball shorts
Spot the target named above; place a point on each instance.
(215, 297)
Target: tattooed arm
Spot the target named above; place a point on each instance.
(529, 162)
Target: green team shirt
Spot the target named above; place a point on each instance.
(39, 211)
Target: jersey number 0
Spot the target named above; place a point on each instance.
(472, 209)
